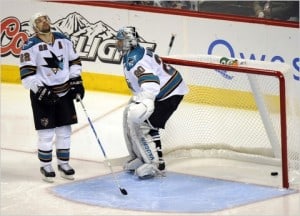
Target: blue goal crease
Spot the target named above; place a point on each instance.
(181, 193)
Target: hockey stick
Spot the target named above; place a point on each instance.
(171, 43)
(123, 191)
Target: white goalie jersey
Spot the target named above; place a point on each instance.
(145, 71)
(49, 64)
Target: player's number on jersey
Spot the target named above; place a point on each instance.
(167, 68)
(24, 57)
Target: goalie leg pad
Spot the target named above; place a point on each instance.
(136, 112)
(127, 136)
(144, 143)
(147, 171)
(140, 111)
(132, 165)
(139, 143)
(156, 138)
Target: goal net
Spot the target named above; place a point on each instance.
(236, 109)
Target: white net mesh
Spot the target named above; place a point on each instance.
(233, 115)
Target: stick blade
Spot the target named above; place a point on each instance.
(123, 191)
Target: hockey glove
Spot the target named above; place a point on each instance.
(76, 87)
(46, 96)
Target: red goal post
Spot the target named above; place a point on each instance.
(206, 66)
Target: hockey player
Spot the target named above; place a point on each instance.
(51, 70)
(157, 90)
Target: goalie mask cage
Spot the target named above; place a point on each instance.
(243, 110)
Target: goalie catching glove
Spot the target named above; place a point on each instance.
(76, 87)
(46, 96)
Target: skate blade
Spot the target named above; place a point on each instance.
(48, 179)
(158, 173)
(162, 173)
(68, 177)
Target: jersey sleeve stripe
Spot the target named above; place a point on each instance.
(148, 78)
(27, 70)
(170, 86)
(75, 62)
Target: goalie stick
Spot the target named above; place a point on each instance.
(123, 191)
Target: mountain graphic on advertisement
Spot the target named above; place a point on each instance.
(73, 22)
(75, 26)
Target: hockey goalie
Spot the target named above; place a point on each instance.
(157, 90)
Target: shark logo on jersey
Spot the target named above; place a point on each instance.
(55, 63)
(27, 44)
(131, 61)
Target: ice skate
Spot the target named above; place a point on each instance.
(66, 171)
(161, 165)
(147, 171)
(48, 173)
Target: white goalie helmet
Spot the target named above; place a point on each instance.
(127, 38)
(34, 18)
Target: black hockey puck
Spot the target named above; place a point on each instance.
(274, 173)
